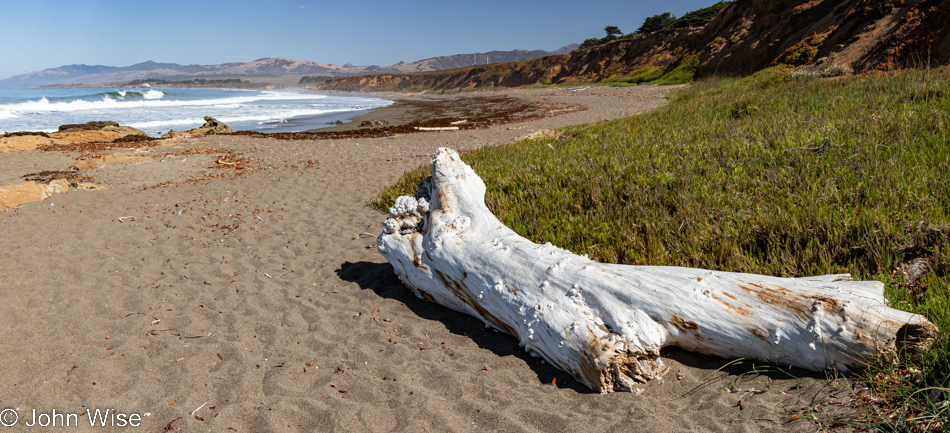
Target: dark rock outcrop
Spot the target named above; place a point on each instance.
(214, 127)
(372, 123)
(88, 126)
(211, 127)
(103, 125)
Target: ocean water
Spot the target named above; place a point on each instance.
(156, 110)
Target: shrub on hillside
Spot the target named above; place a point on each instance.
(699, 17)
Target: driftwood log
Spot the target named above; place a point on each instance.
(605, 323)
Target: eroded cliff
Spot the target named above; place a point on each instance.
(746, 36)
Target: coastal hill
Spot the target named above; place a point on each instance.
(820, 36)
(276, 70)
(462, 60)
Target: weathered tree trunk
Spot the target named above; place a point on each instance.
(605, 323)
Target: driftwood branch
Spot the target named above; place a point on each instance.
(605, 323)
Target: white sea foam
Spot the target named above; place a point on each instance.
(44, 105)
(156, 111)
(260, 118)
(153, 94)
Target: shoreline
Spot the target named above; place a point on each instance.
(232, 281)
(410, 108)
(157, 110)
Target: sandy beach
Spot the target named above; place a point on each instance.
(231, 283)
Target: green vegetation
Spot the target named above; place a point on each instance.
(612, 33)
(313, 80)
(665, 20)
(679, 72)
(188, 82)
(802, 53)
(642, 75)
(656, 23)
(766, 174)
(699, 17)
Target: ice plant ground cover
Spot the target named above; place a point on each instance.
(766, 174)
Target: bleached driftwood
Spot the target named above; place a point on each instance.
(437, 128)
(605, 323)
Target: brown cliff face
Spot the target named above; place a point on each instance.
(920, 38)
(746, 36)
(617, 58)
(864, 35)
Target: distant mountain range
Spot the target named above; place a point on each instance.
(261, 69)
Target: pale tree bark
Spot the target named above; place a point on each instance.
(605, 323)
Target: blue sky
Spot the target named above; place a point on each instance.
(42, 34)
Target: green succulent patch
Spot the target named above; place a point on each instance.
(768, 174)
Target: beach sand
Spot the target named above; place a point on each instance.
(259, 297)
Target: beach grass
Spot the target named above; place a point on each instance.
(680, 72)
(770, 174)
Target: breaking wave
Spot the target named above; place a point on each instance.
(146, 100)
(132, 94)
(155, 111)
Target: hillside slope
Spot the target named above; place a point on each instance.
(860, 34)
(583, 65)
(746, 36)
(83, 74)
(268, 67)
(462, 60)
